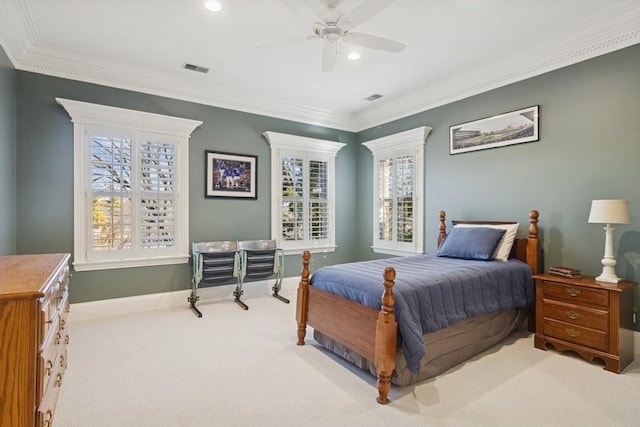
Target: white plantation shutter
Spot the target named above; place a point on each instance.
(318, 200)
(111, 192)
(303, 189)
(131, 187)
(397, 185)
(292, 198)
(385, 200)
(158, 177)
(404, 179)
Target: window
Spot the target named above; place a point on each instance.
(398, 176)
(302, 192)
(131, 205)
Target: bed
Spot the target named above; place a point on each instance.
(378, 334)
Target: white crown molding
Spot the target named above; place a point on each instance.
(48, 60)
(619, 29)
(17, 30)
(616, 30)
(87, 113)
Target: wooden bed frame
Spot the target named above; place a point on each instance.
(371, 333)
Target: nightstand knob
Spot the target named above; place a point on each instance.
(573, 292)
(573, 314)
(573, 333)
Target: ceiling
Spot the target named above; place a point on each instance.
(454, 49)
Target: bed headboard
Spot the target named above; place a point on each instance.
(526, 250)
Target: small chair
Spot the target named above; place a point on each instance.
(260, 259)
(213, 262)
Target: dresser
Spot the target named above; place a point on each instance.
(34, 303)
(586, 317)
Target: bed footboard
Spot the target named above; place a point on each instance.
(370, 333)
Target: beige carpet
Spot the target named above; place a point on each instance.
(237, 368)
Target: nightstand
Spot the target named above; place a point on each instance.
(581, 315)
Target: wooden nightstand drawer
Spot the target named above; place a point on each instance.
(576, 334)
(576, 294)
(576, 315)
(587, 317)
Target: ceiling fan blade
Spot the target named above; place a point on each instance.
(329, 57)
(373, 42)
(283, 42)
(365, 11)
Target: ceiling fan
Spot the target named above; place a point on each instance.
(336, 26)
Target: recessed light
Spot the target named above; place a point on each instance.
(213, 5)
(354, 56)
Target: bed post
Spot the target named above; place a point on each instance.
(532, 243)
(533, 251)
(302, 306)
(386, 344)
(443, 228)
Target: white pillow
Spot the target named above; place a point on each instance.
(505, 244)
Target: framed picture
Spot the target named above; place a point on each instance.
(231, 175)
(510, 128)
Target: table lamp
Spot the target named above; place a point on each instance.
(609, 212)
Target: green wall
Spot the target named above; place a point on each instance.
(589, 148)
(7, 155)
(45, 181)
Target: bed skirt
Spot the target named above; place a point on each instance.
(445, 348)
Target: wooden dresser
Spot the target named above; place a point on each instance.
(34, 302)
(581, 315)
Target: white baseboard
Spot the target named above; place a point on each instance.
(167, 300)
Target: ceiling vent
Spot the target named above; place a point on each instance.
(197, 68)
(373, 97)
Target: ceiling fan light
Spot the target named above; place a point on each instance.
(353, 56)
(213, 5)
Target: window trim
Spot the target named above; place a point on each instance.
(84, 115)
(391, 146)
(281, 144)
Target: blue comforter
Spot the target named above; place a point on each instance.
(431, 292)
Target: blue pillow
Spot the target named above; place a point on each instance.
(477, 243)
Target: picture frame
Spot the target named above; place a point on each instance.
(514, 127)
(231, 175)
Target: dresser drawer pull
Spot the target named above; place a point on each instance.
(573, 292)
(48, 417)
(58, 338)
(62, 364)
(58, 380)
(47, 370)
(573, 333)
(66, 339)
(573, 315)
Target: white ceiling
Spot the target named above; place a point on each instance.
(454, 49)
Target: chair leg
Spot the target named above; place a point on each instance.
(238, 293)
(192, 300)
(276, 289)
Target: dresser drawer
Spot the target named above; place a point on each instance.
(576, 315)
(576, 294)
(45, 411)
(576, 334)
(47, 367)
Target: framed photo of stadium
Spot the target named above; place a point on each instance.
(231, 175)
(510, 128)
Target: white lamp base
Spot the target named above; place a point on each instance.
(608, 280)
(608, 275)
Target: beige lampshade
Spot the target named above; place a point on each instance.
(609, 212)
